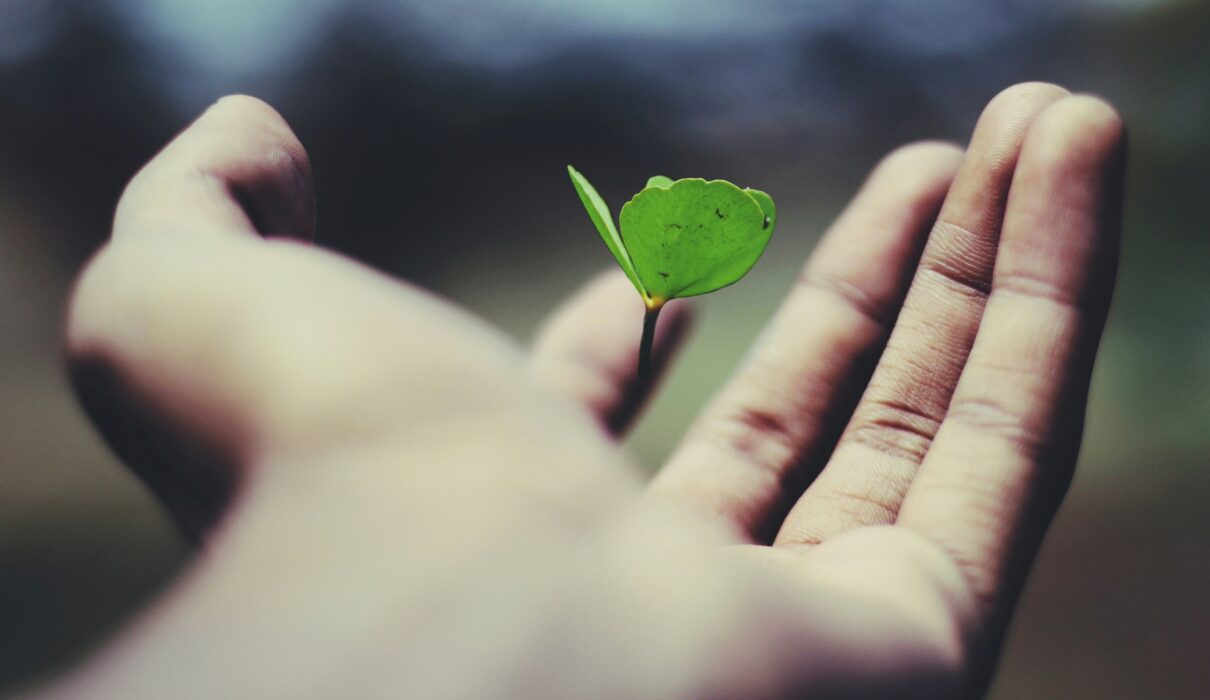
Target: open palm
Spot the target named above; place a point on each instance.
(393, 500)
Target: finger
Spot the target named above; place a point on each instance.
(236, 170)
(761, 439)
(589, 349)
(894, 423)
(1004, 455)
(238, 167)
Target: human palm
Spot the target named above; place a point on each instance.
(392, 499)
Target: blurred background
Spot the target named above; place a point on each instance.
(439, 132)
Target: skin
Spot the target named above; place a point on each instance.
(391, 499)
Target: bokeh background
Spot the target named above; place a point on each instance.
(439, 132)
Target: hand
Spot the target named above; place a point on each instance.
(392, 500)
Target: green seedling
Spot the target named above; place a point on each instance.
(680, 239)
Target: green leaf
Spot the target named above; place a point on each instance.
(694, 236)
(598, 211)
(766, 205)
(680, 239)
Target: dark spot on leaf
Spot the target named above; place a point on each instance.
(766, 224)
(719, 214)
(675, 226)
(663, 274)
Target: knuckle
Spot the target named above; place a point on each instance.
(961, 275)
(864, 507)
(849, 294)
(895, 428)
(761, 437)
(995, 418)
(1037, 288)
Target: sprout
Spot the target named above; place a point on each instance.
(681, 238)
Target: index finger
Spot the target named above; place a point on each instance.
(588, 349)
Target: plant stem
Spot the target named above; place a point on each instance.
(648, 340)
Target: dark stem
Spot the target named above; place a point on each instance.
(648, 340)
